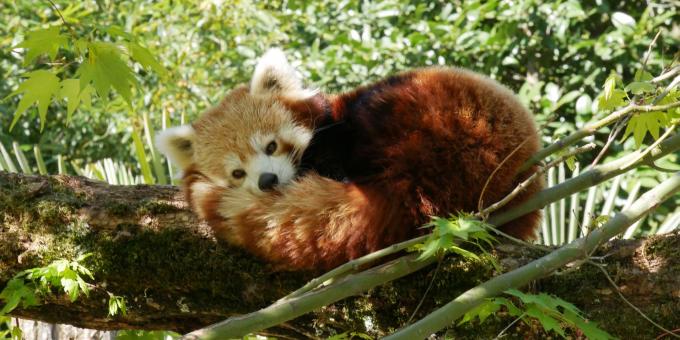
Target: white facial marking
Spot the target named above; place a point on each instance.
(282, 166)
(297, 135)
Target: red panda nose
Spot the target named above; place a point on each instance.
(267, 181)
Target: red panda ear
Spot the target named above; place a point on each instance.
(274, 76)
(176, 143)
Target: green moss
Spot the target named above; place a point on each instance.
(155, 207)
(664, 247)
(120, 209)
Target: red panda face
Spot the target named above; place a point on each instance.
(250, 142)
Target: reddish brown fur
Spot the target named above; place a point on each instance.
(417, 144)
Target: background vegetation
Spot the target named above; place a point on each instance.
(104, 75)
(556, 55)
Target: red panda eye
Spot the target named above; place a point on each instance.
(238, 173)
(271, 148)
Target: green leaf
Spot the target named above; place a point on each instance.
(512, 309)
(548, 322)
(106, 69)
(610, 85)
(71, 288)
(16, 292)
(571, 162)
(464, 253)
(616, 99)
(640, 87)
(117, 31)
(641, 75)
(144, 57)
(645, 122)
(589, 328)
(70, 90)
(38, 89)
(43, 41)
(482, 311)
(146, 335)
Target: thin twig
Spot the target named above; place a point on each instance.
(664, 334)
(522, 186)
(509, 325)
(480, 202)
(649, 50)
(612, 137)
(519, 241)
(618, 291)
(420, 303)
(667, 90)
(68, 26)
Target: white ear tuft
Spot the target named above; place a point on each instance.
(176, 143)
(274, 75)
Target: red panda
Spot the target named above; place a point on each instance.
(309, 180)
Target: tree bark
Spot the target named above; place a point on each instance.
(149, 247)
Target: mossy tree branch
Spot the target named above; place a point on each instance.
(149, 248)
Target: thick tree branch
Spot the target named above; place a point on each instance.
(150, 249)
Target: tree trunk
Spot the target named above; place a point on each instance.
(148, 247)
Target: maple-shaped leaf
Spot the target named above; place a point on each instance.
(105, 68)
(43, 41)
(144, 57)
(614, 99)
(74, 96)
(547, 321)
(482, 311)
(589, 328)
(38, 89)
(645, 122)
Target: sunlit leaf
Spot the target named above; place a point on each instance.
(70, 90)
(144, 57)
(38, 89)
(482, 311)
(106, 69)
(43, 41)
(645, 122)
(640, 87)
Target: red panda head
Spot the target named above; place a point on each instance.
(251, 142)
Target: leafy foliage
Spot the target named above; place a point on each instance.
(172, 60)
(8, 330)
(553, 313)
(27, 286)
(448, 233)
(117, 305)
